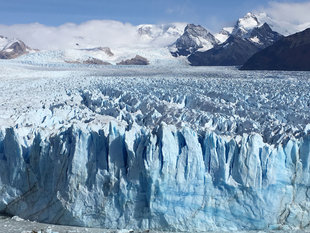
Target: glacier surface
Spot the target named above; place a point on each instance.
(175, 149)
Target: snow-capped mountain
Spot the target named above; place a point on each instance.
(247, 37)
(245, 25)
(249, 27)
(12, 48)
(259, 32)
(242, 28)
(195, 38)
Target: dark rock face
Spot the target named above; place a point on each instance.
(237, 49)
(289, 53)
(95, 61)
(14, 50)
(137, 60)
(190, 41)
(89, 61)
(106, 50)
(265, 36)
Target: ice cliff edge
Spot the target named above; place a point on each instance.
(167, 179)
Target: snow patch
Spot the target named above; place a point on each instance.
(255, 40)
(248, 22)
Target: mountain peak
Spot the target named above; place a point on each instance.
(12, 48)
(248, 21)
(245, 24)
(248, 37)
(195, 37)
(196, 30)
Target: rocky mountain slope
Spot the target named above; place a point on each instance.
(289, 53)
(137, 60)
(10, 49)
(195, 38)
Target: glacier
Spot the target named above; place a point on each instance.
(145, 148)
(168, 179)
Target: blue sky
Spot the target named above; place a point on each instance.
(213, 13)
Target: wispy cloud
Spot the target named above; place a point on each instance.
(297, 13)
(292, 17)
(89, 34)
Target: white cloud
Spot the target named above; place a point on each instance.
(288, 18)
(297, 13)
(89, 34)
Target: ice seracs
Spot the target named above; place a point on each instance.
(154, 147)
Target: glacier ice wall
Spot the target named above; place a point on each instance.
(167, 178)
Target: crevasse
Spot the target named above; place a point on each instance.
(164, 179)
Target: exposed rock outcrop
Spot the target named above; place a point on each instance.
(137, 60)
(14, 49)
(106, 50)
(89, 61)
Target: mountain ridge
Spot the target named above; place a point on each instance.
(289, 53)
(196, 44)
(248, 37)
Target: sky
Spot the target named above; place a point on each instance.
(211, 13)
(61, 24)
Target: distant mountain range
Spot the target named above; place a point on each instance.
(246, 38)
(232, 46)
